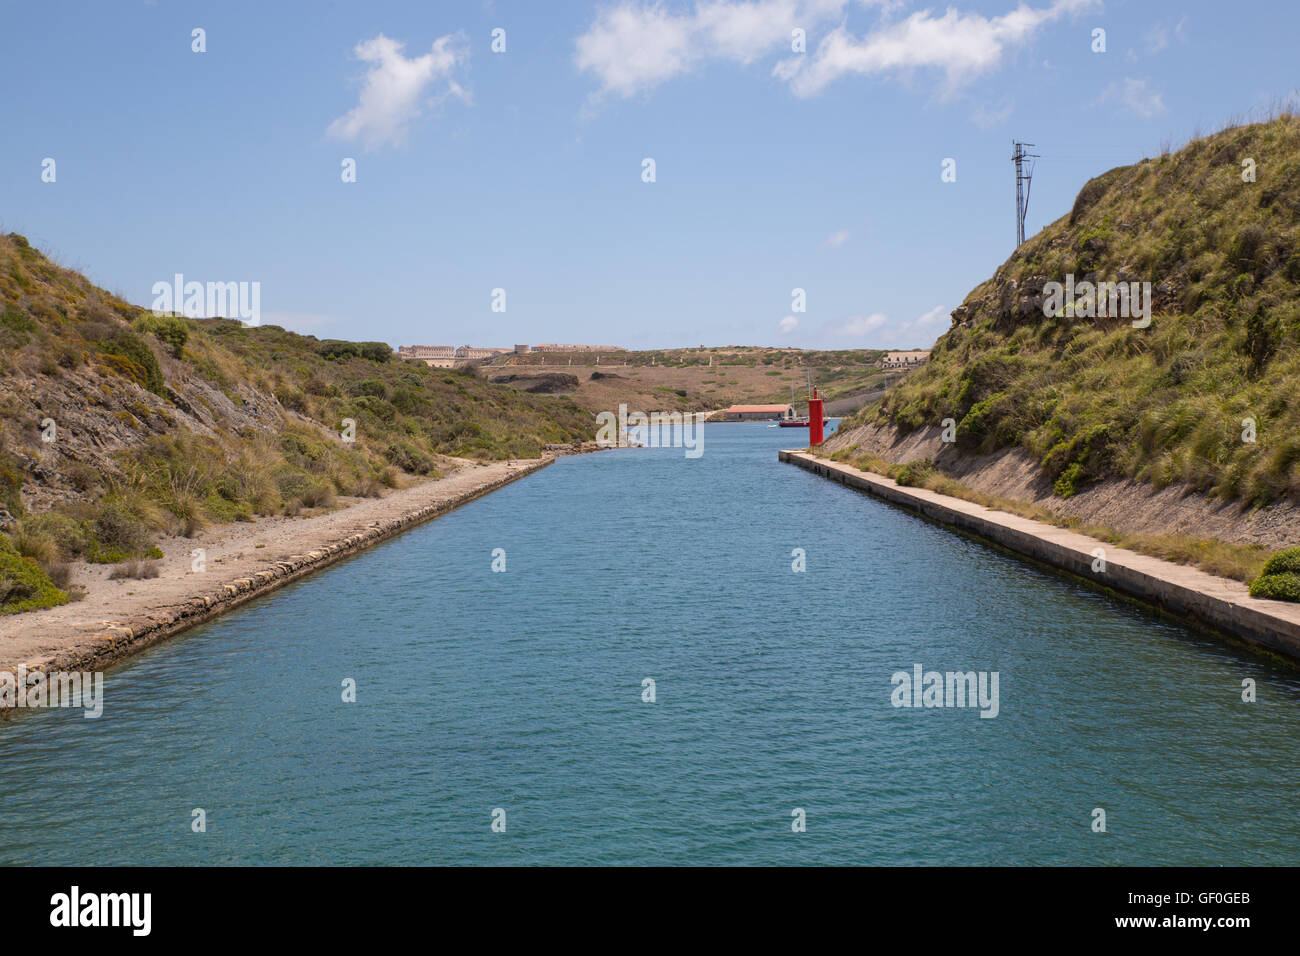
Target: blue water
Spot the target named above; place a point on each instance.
(523, 691)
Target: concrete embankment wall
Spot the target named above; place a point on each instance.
(130, 637)
(1188, 593)
(1129, 507)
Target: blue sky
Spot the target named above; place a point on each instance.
(522, 170)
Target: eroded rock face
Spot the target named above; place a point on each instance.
(96, 414)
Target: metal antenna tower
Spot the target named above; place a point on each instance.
(1024, 181)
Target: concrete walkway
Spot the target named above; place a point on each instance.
(243, 561)
(1184, 591)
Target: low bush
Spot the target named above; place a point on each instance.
(318, 494)
(170, 329)
(33, 543)
(1284, 562)
(118, 534)
(1278, 587)
(409, 458)
(135, 570)
(1280, 578)
(67, 534)
(24, 586)
(128, 355)
(914, 474)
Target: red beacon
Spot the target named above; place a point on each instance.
(815, 419)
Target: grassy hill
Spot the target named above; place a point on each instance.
(1091, 398)
(695, 379)
(117, 425)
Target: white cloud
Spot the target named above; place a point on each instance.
(789, 324)
(877, 331)
(633, 48)
(1136, 96)
(394, 87)
(1157, 39)
(636, 45)
(858, 326)
(991, 119)
(927, 323)
(836, 239)
(962, 45)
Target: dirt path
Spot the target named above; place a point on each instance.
(243, 560)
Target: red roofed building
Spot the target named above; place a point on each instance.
(757, 413)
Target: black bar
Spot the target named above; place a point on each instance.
(347, 905)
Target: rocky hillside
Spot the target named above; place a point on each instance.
(1179, 436)
(117, 425)
(1203, 397)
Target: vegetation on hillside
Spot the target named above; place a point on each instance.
(700, 379)
(117, 425)
(1176, 402)
(1240, 561)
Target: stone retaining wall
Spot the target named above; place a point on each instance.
(124, 639)
(1188, 593)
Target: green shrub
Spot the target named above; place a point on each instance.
(223, 510)
(11, 318)
(68, 534)
(1279, 580)
(318, 494)
(35, 544)
(24, 586)
(171, 329)
(1277, 587)
(1067, 484)
(128, 354)
(404, 400)
(409, 458)
(117, 535)
(302, 450)
(1284, 562)
(373, 407)
(338, 351)
(369, 386)
(914, 474)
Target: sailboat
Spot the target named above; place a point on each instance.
(796, 422)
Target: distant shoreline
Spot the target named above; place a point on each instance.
(119, 619)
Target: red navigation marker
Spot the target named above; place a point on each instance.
(815, 419)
